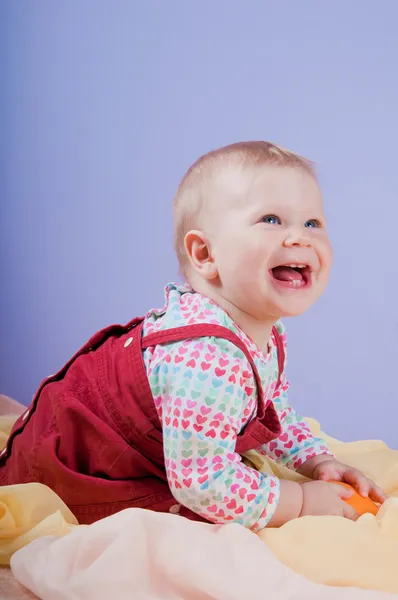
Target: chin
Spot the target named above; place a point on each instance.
(294, 313)
(295, 303)
(293, 309)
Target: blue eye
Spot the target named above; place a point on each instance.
(313, 223)
(271, 220)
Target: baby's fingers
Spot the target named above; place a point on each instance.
(376, 494)
(349, 512)
(342, 491)
(358, 480)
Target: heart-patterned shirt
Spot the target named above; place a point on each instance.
(205, 393)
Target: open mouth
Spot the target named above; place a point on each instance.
(294, 276)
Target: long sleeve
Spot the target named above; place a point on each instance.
(203, 397)
(296, 444)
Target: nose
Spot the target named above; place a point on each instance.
(297, 238)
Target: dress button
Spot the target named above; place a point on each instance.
(128, 342)
(175, 509)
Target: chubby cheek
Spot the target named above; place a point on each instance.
(240, 268)
(325, 256)
(328, 256)
(234, 251)
(252, 256)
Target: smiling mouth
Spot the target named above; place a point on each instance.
(293, 276)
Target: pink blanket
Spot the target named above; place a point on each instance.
(148, 556)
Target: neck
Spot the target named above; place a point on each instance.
(258, 330)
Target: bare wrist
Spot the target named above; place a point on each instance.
(290, 503)
(307, 469)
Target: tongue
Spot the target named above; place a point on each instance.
(286, 274)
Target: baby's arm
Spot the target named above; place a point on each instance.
(296, 447)
(203, 407)
(299, 450)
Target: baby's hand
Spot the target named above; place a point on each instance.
(323, 498)
(333, 470)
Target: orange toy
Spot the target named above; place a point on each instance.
(360, 504)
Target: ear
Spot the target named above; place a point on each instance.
(198, 249)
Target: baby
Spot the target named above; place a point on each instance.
(157, 414)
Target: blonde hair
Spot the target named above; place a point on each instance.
(196, 184)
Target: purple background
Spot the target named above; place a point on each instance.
(104, 104)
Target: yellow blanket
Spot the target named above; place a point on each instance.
(329, 550)
(336, 551)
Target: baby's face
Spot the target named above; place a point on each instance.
(269, 241)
